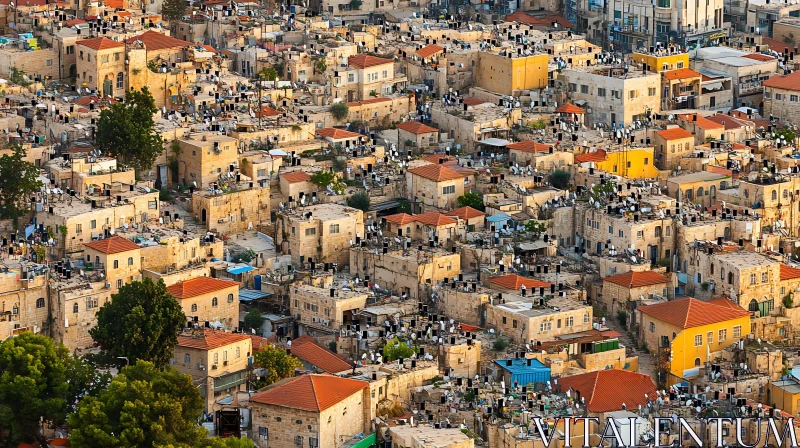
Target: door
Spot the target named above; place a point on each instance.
(613, 118)
(203, 215)
(653, 253)
(712, 102)
(108, 87)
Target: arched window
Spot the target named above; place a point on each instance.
(40, 302)
(699, 192)
(230, 298)
(194, 307)
(658, 231)
(689, 194)
(119, 80)
(187, 359)
(75, 308)
(753, 305)
(214, 301)
(774, 195)
(697, 362)
(130, 261)
(713, 191)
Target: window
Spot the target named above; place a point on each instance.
(586, 318)
(119, 80)
(652, 327)
(116, 264)
(504, 320)
(263, 433)
(752, 279)
(152, 205)
(558, 323)
(572, 87)
(737, 332)
(230, 298)
(351, 77)
(793, 98)
(668, 230)
(385, 73)
(639, 234)
(70, 49)
(698, 340)
(298, 440)
(763, 277)
(91, 303)
(130, 261)
(311, 231)
(774, 195)
(78, 228)
(187, 359)
(40, 302)
(514, 323)
(778, 96)
(646, 161)
(214, 301)
(651, 91)
(584, 89)
(601, 92)
(663, 4)
(710, 337)
(93, 224)
(723, 335)
(119, 283)
(75, 308)
(569, 321)
(449, 189)
(767, 95)
(545, 326)
(334, 228)
(194, 307)
(680, 64)
(238, 352)
(216, 358)
(621, 234)
(610, 230)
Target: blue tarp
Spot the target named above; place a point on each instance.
(498, 218)
(525, 371)
(240, 270)
(247, 295)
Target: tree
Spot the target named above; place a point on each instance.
(18, 181)
(560, 179)
(471, 199)
(142, 321)
(33, 386)
(277, 363)
(340, 111)
(126, 130)
(325, 179)
(396, 349)
(360, 200)
(355, 4)
(787, 134)
(143, 406)
(268, 74)
(229, 442)
(536, 229)
(253, 319)
(173, 10)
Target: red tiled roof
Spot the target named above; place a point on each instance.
(776, 45)
(603, 392)
(429, 51)
(198, 286)
(785, 82)
(439, 173)
(674, 134)
(337, 134)
(267, 111)
(431, 218)
(690, 312)
(719, 170)
(515, 282)
(597, 156)
(415, 127)
(569, 108)
(210, 339)
(681, 73)
(700, 121)
(74, 22)
(466, 213)
(114, 3)
(59, 441)
(728, 121)
(369, 101)
(789, 272)
(759, 57)
(725, 303)
(296, 176)
(112, 245)
(637, 279)
(156, 41)
(308, 350)
(100, 43)
(311, 392)
(546, 21)
(365, 61)
(529, 146)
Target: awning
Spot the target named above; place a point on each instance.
(716, 85)
(278, 152)
(248, 295)
(494, 142)
(240, 269)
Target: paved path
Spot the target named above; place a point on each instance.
(647, 363)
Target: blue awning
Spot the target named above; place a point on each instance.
(240, 270)
(497, 218)
(247, 295)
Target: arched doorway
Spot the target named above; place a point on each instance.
(203, 215)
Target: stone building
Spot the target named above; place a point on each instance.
(782, 97)
(203, 157)
(73, 306)
(421, 136)
(408, 273)
(211, 300)
(237, 207)
(508, 75)
(315, 411)
(619, 290)
(436, 186)
(532, 318)
(698, 188)
(217, 362)
(24, 298)
(101, 65)
(423, 227)
(319, 232)
(671, 145)
(325, 309)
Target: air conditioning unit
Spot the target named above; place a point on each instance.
(201, 366)
(314, 319)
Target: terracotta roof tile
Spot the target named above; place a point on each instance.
(515, 282)
(681, 73)
(700, 121)
(789, 272)
(365, 61)
(308, 350)
(400, 218)
(776, 45)
(442, 159)
(198, 286)
(725, 303)
(529, 146)
(569, 108)
(431, 219)
(546, 21)
(759, 57)
(267, 111)
(210, 339)
(337, 134)
(466, 213)
(439, 173)
(310, 392)
(429, 50)
(415, 127)
(675, 134)
(296, 176)
(602, 389)
(637, 279)
(690, 312)
(112, 245)
(728, 121)
(153, 41)
(74, 22)
(785, 82)
(100, 43)
(597, 156)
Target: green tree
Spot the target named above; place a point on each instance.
(277, 363)
(33, 386)
(325, 179)
(18, 180)
(253, 319)
(355, 4)
(142, 321)
(340, 110)
(536, 229)
(560, 179)
(396, 349)
(228, 442)
(143, 406)
(320, 65)
(173, 10)
(471, 199)
(268, 74)
(126, 130)
(786, 133)
(360, 200)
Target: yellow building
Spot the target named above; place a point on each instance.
(785, 395)
(686, 333)
(635, 163)
(504, 75)
(118, 257)
(209, 300)
(661, 63)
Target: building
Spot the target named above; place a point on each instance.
(217, 362)
(204, 157)
(747, 71)
(428, 437)
(420, 136)
(508, 75)
(316, 358)
(436, 186)
(619, 290)
(519, 372)
(311, 410)
(683, 334)
(699, 188)
(529, 318)
(472, 218)
(120, 259)
(211, 300)
(603, 391)
(319, 232)
(782, 97)
(365, 77)
(702, 128)
(232, 207)
(423, 227)
(24, 298)
(681, 89)
(325, 309)
(410, 273)
(101, 65)
(671, 145)
(631, 163)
